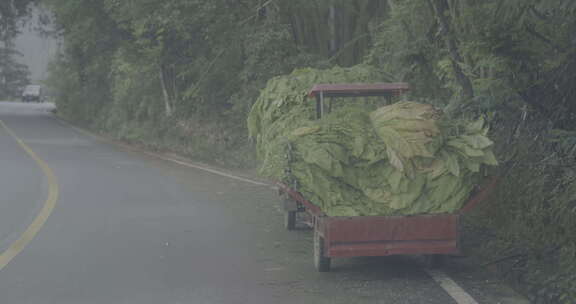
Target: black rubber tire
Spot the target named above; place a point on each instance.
(435, 260)
(290, 220)
(321, 261)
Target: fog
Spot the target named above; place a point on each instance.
(37, 50)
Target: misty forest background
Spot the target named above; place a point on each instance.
(181, 76)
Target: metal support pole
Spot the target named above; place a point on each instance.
(321, 104)
(318, 107)
(389, 99)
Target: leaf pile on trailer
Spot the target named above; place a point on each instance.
(361, 159)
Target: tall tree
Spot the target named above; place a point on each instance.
(12, 74)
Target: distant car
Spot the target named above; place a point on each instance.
(32, 93)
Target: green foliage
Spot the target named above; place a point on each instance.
(512, 52)
(405, 46)
(12, 14)
(520, 58)
(527, 226)
(13, 75)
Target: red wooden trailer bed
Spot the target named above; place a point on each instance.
(342, 237)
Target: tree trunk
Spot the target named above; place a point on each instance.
(168, 111)
(441, 10)
(333, 29)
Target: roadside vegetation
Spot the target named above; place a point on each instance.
(13, 75)
(182, 76)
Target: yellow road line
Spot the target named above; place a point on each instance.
(17, 246)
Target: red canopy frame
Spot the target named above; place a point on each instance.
(387, 90)
(359, 89)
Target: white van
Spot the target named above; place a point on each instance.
(32, 93)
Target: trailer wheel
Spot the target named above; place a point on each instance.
(435, 260)
(290, 220)
(321, 261)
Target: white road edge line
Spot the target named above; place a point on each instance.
(165, 158)
(186, 164)
(452, 288)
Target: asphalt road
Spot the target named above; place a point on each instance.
(132, 229)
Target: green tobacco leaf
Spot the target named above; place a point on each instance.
(477, 141)
(476, 126)
(401, 159)
(451, 162)
(490, 158)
